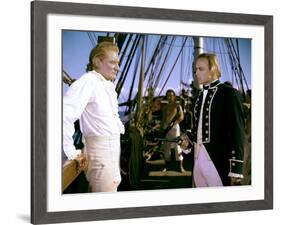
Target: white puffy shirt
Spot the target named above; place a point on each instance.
(91, 99)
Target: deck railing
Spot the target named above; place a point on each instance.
(70, 172)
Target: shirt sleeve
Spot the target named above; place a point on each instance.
(74, 103)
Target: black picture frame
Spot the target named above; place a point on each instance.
(39, 13)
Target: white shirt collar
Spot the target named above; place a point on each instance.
(101, 77)
(211, 82)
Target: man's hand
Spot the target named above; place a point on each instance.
(184, 141)
(235, 181)
(81, 162)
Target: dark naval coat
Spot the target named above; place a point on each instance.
(222, 128)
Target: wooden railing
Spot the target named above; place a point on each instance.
(70, 172)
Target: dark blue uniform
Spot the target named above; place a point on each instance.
(222, 128)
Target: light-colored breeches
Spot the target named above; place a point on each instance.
(168, 146)
(103, 154)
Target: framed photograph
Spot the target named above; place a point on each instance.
(157, 51)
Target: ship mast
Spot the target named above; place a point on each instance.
(140, 88)
(198, 49)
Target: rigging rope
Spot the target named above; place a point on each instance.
(163, 64)
(91, 38)
(127, 66)
(173, 67)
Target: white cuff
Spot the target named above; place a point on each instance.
(186, 151)
(121, 127)
(235, 175)
(72, 154)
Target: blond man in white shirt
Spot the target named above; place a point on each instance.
(92, 99)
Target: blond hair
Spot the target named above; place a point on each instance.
(213, 63)
(99, 52)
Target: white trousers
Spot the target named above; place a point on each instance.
(205, 173)
(168, 146)
(103, 154)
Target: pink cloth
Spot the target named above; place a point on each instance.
(205, 173)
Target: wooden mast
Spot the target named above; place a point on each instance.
(198, 49)
(140, 88)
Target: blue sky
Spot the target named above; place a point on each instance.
(77, 46)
